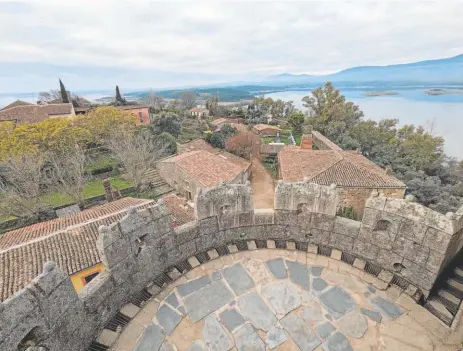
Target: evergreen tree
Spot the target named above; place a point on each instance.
(119, 96)
(64, 94)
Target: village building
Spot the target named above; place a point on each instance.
(201, 169)
(199, 112)
(265, 129)
(140, 111)
(20, 112)
(70, 242)
(354, 175)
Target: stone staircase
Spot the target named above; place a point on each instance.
(445, 301)
(156, 183)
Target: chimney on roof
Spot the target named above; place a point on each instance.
(306, 139)
(388, 170)
(108, 190)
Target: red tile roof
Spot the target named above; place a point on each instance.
(16, 104)
(325, 167)
(210, 169)
(131, 107)
(34, 113)
(261, 127)
(69, 241)
(179, 209)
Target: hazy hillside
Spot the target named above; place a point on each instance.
(449, 70)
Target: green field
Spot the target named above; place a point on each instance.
(93, 188)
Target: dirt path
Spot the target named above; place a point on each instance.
(262, 185)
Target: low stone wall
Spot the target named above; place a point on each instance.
(142, 252)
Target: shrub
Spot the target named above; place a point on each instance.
(216, 140)
(347, 212)
(170, 143)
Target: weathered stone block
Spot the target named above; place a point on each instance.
(417, 275)
(437, 240)
(213, 254)
(434, 262)
(318, 236)
(51, 277)
(207, 241)
(291, 245)
(346, 226)
(263, 216)
(375, 202)
(116, 252)
(342, 242)
(365, 249)
(193, 261)
(251, 245)
(186, 232)
(313, 249)
(304, 220)
(136, 220)
(232, 248)
(323, 221)
(208, 226)
(387, 259)
(284, 217)
(385, 276)
(271, 244)
(359, 264)
(412, 230)
(372, 217)
(381, 238)
(336, 254)
(96, 292)
(411, 250)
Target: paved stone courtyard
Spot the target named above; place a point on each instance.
(278, 300)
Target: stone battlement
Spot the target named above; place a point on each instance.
(400, 242)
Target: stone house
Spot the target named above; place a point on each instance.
(202, 169)
(265, 129)
(354, 175)
(140, 111)
(199, 112)
(70, 242)
(21, 112)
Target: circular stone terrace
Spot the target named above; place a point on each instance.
(274, 299)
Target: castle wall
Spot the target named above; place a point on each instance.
(398, 241)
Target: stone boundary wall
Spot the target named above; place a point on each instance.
(142, 252)
(323, 143)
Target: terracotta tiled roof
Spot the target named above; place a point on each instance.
(195, 145)
(198, 109)
(209, 169)
(72, 245)
(34, 113)
(16, 104)
(325, 167)
(179, 209)
(260, 127)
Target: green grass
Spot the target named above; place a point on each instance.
(6, 218)
(101, 161)
(93, 188)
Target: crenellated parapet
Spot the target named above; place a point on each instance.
(399, 242)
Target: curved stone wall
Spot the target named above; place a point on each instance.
(399, 242)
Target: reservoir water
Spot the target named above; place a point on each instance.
(441, 113)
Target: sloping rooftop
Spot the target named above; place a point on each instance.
(218, 121)
(16, 104)
(34, 113)
(131, 107)
(260, 127)
(69, 241)
(198, 109)
(210, 169)
(179, 209)
(325, 167)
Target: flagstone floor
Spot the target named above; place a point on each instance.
(279, 300)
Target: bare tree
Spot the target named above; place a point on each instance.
(188, 99)
(67, 174)
(47, 97)
(136, 152)
(155, 102)
(21, 187)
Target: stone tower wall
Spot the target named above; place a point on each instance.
(398, 241)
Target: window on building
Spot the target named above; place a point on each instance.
(90, 277)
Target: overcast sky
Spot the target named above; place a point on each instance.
(139, 44)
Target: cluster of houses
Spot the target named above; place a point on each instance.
(71, 241)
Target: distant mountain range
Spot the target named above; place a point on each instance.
(448, 70)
